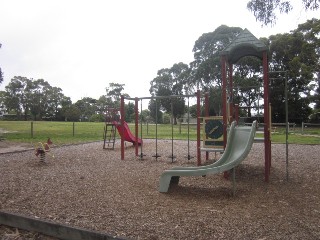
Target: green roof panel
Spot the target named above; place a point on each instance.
(246, 44)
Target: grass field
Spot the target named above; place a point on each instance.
(69, 133)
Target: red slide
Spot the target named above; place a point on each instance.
(127, 134)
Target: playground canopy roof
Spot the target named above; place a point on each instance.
(246, 44)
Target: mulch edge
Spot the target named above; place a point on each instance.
(52, 229)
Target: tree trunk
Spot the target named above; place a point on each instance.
(249, 112)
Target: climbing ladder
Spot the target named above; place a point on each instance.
(109, 133)
(109, 136)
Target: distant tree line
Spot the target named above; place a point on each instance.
(297, 53)
(29, 99)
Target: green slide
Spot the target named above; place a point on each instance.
(239, 143)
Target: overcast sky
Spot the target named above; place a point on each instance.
(83, 45)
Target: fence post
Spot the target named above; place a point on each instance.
(302, 127)
(147, 128)
(31, 129)
(73, 129)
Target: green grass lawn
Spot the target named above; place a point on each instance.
(312, 137)
(70, 133)
(59, 132)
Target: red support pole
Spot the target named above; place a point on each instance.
(267, 142)
(224, 99)
(231, 107)
(198, 128)
(206, 107)
(236, 112)
(136, 110)
(122, 125)
(206, 104)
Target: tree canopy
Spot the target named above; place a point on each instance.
(171, 81)
(296, 52)
(266, 11)
(311, 35)
(206, 67)
(34, 98)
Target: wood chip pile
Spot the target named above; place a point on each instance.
(88, 187)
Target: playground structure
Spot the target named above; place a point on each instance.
(244, 45)
(111, 124)
(125, 132)
(41, 149)
(136, 136)
(240, 140)
(109, 132)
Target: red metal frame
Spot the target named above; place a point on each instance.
(136, 110)
(206, 107)
(267, 141)
(198, 128)
(231, 107)
(224, 98)
(122, 124)
(236, 112)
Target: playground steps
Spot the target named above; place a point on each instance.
(109, 136)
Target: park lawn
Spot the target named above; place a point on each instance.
(168, 131)
(59, 132)
(79, 132)
(308, 136)
(296, 138)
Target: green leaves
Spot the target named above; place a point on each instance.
(206, 68)
(171, 81)
(33, 97)
(266, 11)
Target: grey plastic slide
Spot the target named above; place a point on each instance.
(239, 143)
